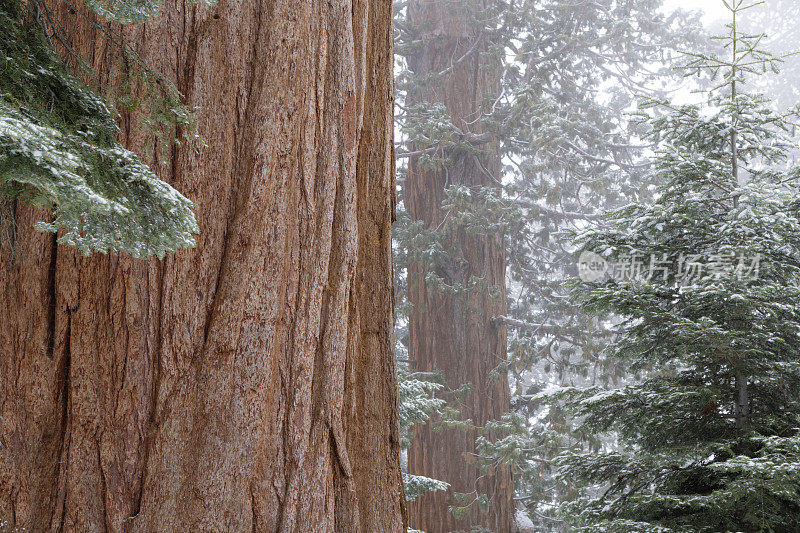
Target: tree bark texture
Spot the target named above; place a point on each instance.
(455, 334)
(248, 384)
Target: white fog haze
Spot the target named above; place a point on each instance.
(712, 10)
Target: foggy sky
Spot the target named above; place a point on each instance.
(713, 9)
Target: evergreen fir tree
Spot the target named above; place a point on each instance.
(709, 294)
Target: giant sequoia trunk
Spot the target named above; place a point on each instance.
(248, 384)
(454, 333)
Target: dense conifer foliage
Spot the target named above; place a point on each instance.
(709, 296)
(558, 119)
(58, 141)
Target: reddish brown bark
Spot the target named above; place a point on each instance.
(248, 384)
(455, 334)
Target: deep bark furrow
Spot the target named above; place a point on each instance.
(51, 298)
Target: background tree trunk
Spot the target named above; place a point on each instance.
(454, 334)
(248, 384)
